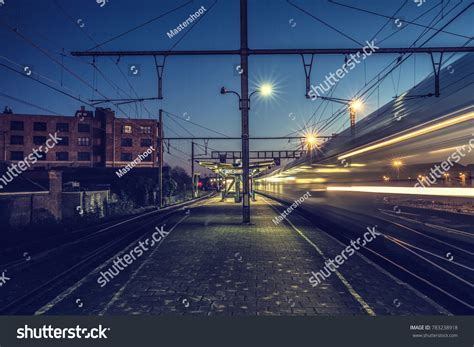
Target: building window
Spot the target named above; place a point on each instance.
(39, 140)
(84, 128)
(39, 126)
(126, 129)
(126, 157)
(16, 155)
(62, 127)
(148, 158)
(127, 142)
(17, 125)
(16, 140)
(145, 142)
(64, 141)
(83, 141)
(62, 156)
(145, 129)
(83, 156)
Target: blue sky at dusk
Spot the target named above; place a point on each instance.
(192, 84)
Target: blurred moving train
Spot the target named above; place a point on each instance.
(396, 148)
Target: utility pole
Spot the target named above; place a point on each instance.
(160, 159)
(352, 115)
(244, 85)
(192, 169)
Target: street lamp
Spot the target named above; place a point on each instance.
(310, 140)
(244, 105)
(266, 90)
(355, 105)
(397, 164)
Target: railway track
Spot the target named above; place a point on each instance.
(423, 265)
(63, 265)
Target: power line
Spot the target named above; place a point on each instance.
(192, 26)
(390, 18)
(323, 22)
(182, 127)
(141, 25)
(198, 125)
(66, 14)
(47, 54)
(397, 63)
(28, 103)
(49, 86)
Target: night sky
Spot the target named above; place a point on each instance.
(192, 84)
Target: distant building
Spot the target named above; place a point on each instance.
(89, 139)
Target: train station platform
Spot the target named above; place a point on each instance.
(211, 264)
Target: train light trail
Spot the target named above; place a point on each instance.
(410, 135)
(439, 191)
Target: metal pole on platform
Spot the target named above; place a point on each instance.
(160, 159)
(192, 169)
(244, 83)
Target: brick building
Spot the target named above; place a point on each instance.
(89, 139)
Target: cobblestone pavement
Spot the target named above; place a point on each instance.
(210, 264)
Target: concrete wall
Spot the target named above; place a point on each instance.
(79, 203)
(22, 208)
(19, 209)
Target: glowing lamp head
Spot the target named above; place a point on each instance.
(356, 105)
(397, 163)
(311, 140)
(266, 89)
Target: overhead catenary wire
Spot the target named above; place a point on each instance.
(390, 18)
(28, 103)
(71, 19)
(198, 125)
(397, 62)
(141, 25)
(193, 25)
(325, 23)
(49, 56)
(49, 86)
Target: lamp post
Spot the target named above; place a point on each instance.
(244, 105)
(265, 90)
(397, 164)
(353, 104)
